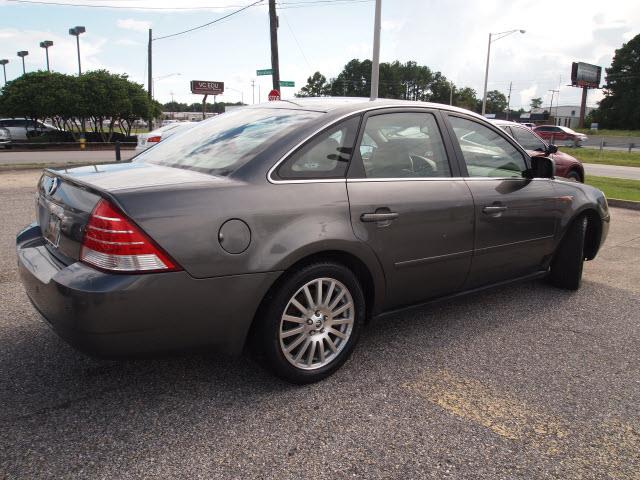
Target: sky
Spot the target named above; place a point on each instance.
(449, 36)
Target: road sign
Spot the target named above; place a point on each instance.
(204, 87)
(287, 83)
(274, 95)
(266, 71)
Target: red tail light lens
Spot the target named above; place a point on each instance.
(155, 139)
(112, 242)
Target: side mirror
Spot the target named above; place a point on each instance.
(541, 167)
(552, 149)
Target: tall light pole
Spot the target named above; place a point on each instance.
(22, 54)
(4, 62)
(76, 31)
(375, 61)
(46, 44)
(497, 36)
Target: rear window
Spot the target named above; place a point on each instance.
(223, 143)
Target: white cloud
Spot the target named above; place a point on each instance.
(136, 25)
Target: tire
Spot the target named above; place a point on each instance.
(574, 175)
(314, 351)
(566, 266)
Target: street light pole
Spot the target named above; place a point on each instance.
(46, 44)
(22, 54)
(76, 31)
(375, 61)
(4, 62)
(498, 36)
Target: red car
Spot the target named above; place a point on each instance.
(566, 165)
(556, 133)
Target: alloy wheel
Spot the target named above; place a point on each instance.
(316, 323)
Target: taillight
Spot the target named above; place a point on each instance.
(113, 242)
(155, 139)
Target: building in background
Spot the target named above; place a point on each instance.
(563, 115)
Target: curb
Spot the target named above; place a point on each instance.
(628, 204)
(41, 166)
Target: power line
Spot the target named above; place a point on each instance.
(318, 3)
(209, 23)
(296, 40)
(124, 7)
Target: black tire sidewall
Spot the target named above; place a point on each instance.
(269, 340)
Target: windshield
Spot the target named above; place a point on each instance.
(223, 143)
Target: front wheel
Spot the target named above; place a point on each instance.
(566, 267)
(312, 322)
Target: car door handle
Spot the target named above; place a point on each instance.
(494, 209)
(378, 217)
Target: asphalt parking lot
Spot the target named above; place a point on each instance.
(521, 382)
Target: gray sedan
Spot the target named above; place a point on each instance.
(292, 224)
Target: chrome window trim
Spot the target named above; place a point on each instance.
(270, 179)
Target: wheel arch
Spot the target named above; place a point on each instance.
(593, 233)
(373, 287)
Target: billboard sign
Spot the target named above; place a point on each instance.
(585, 75)
(204, 87)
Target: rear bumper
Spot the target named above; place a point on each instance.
(117, 315)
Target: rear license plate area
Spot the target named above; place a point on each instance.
(52, 231)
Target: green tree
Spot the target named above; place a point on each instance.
(317, 86)
(620, 106)
(465, 98)
(536, 102)
(496, 102)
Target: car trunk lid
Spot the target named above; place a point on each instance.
(66, 197)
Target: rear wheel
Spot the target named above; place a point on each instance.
(566, 267)
(312, 322)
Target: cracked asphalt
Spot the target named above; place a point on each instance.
(521, 382)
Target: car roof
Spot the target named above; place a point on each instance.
(507, 122)
(353, 104)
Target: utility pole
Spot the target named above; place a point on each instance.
(149, 75)
(253, 92)
(451, 87)
(375, 62)
(273, 27)
(509, 100)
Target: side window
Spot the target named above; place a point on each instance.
(486, 153)
(528, 139)
(399, 145)
(325, 156)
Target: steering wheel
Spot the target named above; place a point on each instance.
(422, 164)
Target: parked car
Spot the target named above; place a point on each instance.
(557, 134)
(269, 223)
(148, 140)
(566, 165)
(527, 124)
(5, 137)
(22, 129)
